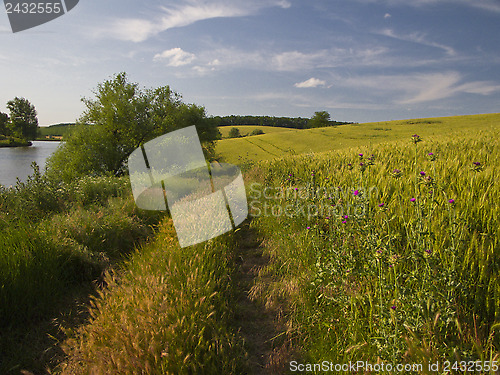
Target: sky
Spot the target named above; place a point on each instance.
(360, 60)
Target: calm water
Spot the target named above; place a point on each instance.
(16, 161)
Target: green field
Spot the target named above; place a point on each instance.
(247, 129)
(292, 142)
(376, 242)
(56, 130)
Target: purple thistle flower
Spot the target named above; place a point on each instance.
(308, 228)
(360, 155)
(413, 199)
(451, 201)
(422, 173)
(430, 154)
(415, 138)
(393, 307)
(346, 217)
(381, 205)
(343, 221)
(356, 192)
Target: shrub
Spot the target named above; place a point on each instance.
(234, 133)
(257, 132)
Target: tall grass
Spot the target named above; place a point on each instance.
(167, 313)
(389, 253)
(56, 241)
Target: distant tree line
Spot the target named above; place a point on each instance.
(318, 120)
(21, 124)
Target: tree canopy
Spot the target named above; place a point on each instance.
(120, 118)
(22, 122)
(319, 120)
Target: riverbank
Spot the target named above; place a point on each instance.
(14, 142)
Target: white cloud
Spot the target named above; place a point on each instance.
(311, 82)
(419, 38)
(186, 13)
(175, 57)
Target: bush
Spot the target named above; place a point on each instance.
(234, 133)
(257, 132)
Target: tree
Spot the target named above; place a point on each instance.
(319, 120)
(23, 118)
(234, 133)
(120, 118)
(4, 122)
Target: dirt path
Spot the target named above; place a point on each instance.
(259, 326)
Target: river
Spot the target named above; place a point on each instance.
(16, 161)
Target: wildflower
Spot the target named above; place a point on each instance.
(396, 173)
(413, 199)
(451, 201)
(371, 160)
(360, 155)
(349, 166)
(308, 228)
(431, 156)
(356, 192)
(362, 166)
(422, 173)
(381, 205)
(346, 217)
(344, 221)
(393, 307)
(477, 166)
(415, 138)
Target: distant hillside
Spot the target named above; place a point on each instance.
(56, 130)
(245, 130)
(297, 141)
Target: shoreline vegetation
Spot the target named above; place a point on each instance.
(14, 142)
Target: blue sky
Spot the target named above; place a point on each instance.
(360, 60)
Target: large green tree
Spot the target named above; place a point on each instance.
(4, 122)
(319, 120)
(23, 118)
(120, 118)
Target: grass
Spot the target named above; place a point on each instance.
(390, 255)
(247, 129)
(167, 313)
(57, 240)
(293, 142)
(386, 251)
